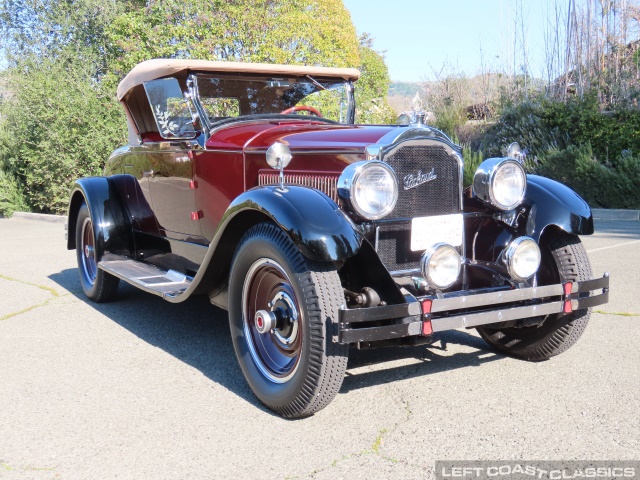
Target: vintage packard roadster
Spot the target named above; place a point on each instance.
(252, 184)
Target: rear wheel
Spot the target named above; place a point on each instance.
(563, 259)
(97, 284)
(281, 311)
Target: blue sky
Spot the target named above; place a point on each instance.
(421, 36)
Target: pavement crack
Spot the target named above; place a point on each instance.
(620, 314)
(25, 310)
(54, 295)
(51, 290)
(376, 445)
(375, 448)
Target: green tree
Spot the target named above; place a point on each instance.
(57, 121)
(45, 28)
(60, 119)
(373, 86)
(304, 32)
(58, 124)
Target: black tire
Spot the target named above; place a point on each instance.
(298, 378)
(563, 259)
(97, 284)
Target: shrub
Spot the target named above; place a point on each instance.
(542, 125)
(449, 120)
(600, 185)
(11, 196)
(58, 125)
(526, 124)
(472, 160)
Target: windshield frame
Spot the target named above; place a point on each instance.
(194, 96)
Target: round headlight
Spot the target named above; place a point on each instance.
(440, 265)
(522, 257)
(500, 182)
(370, 187)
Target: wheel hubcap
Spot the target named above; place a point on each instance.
(271, 320)
(89, 265)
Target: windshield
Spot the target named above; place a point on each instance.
(228, 96)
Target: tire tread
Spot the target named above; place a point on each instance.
(322, 296)
(573, 265)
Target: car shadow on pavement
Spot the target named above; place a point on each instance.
(197, 333)
(426, 360)
(194, 332)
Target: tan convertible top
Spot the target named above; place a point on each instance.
(162, 67)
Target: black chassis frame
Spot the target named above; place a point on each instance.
(547, 205)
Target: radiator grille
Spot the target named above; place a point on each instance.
(328, 184)
(436, 197)
(439, 196)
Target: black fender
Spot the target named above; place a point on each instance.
(552, 203)
(112, 228)
(321, 231)
(546, 203)
(316, 225)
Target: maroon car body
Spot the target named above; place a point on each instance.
(252, 184)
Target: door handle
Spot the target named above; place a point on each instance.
(148, 174)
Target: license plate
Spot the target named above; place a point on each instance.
(427, 231)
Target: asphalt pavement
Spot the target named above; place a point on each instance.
(143, 389)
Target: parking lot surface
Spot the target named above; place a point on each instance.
(143, 389)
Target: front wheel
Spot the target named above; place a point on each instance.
(563, 259)
(282, 308)
(97, 284)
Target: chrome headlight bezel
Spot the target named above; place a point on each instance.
(510, 257)
(484, 182)
(426, 267)
(348, 183)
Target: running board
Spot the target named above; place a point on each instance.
(164, 283)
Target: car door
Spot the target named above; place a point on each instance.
(166, 176)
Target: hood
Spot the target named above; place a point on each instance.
(299, 136)
(319, 137)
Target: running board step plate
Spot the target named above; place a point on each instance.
(165, 283)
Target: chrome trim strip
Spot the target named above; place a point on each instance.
(403, 133)
(495, 316)
(402, 273)
(466, 299)
(351, 103)
(194, 96)
(355, 151)
(222, 150)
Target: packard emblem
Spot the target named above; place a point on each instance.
(414, 180)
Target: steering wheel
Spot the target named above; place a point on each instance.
(302, 108)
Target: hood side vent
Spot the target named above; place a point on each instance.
(326, 182)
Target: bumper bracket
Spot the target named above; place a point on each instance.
(468, 309)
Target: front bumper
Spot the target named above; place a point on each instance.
(471, 308)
